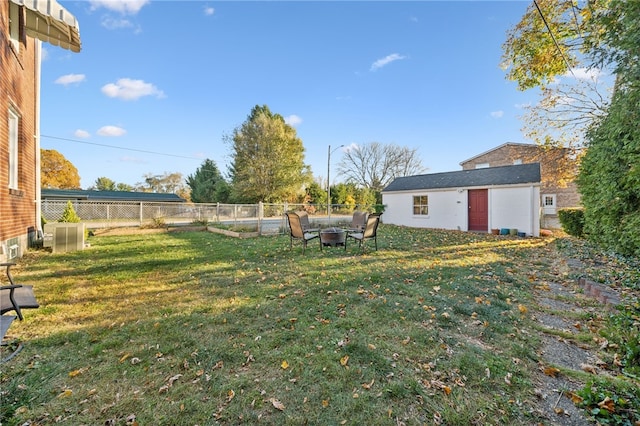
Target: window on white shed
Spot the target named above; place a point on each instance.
(421, 205)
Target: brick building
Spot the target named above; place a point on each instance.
(24, 24)
(557, 168)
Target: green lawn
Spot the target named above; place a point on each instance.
(195, 328)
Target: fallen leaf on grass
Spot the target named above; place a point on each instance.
(588, 368)
(368, 385)
(77, 372)
(65, 393)
(507, 378)
(551, 371)
(607, 404)
(344, 360)
(523, 309)
(230, 395)
(575, 398)
(284, 365)
(277, 404)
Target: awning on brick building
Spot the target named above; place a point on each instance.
(48, 21)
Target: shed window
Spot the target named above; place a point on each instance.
(482, 165)
(421, 205)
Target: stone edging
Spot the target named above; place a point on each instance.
(604, 294)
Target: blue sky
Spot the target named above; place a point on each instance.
(158, 84)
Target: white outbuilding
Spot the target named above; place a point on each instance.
(477, 200)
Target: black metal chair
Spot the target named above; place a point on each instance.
(296, 232)
(370, 231)
(14, 297)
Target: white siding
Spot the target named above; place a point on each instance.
(515, 207)
(509, 207)
(447, 209)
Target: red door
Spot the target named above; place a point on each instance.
(478, 210)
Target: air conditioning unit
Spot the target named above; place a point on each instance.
(63, 236)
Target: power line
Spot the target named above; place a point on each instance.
(119, 147)
(554, 39)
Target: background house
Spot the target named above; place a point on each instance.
(557, 169)
(467, 200)
(24, 24)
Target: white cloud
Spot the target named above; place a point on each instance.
(129, 7)
(44, 53)
(111, 131)
(351, 147)
(129, 90)
(497, 114)
(136, 160)
(585, 73)
(112, 23)
(523, 106)
(293, 120)
(386, 61)
(70, 79)
(209, 11)
(81, 134)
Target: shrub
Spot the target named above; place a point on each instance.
(572, 221)
(69, 215)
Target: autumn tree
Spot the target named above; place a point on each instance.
(315, 193)
(548, 49)
(267, 159)
(57, 172)
(375, 165)
(167, 183)
(208, 185)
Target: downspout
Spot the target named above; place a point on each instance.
(532, 204)
(37, 180)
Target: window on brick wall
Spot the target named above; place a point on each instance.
(14, 122)
(549, 203)
(14, 25)
(482, 165)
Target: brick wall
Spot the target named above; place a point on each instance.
(18, 89)
(505, 155)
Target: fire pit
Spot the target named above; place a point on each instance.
(333, 237)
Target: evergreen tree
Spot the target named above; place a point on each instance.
(208, 185)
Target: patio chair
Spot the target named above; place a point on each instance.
(358, 221)
(304, 221)
(296, 232)
(14, 297)
(370, 231)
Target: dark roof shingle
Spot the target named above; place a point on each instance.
(72, 194)
(491, 176)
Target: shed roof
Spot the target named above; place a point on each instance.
(72, 194)
(490, 176)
